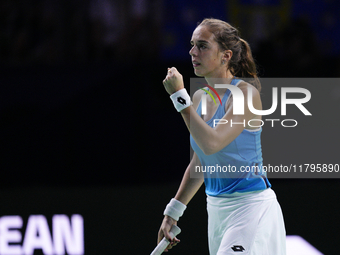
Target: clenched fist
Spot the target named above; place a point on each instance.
(173, 81)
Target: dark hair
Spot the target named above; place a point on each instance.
(242, 63)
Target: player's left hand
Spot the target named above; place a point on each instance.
(164, 232)
(173, 81)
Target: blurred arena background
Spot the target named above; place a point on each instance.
(87, 128)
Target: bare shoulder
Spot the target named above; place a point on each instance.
(246, 87)
(250, 90)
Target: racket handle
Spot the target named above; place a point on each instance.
(174, 231)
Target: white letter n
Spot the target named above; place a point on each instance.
(238, 97)
(66, 235)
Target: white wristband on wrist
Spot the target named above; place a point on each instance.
(181, 99)
(175, 209)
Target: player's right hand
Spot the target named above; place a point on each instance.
(173, 81)
(164, 232)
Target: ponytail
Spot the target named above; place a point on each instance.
(246, 65)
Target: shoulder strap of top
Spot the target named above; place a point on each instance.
(227, 93)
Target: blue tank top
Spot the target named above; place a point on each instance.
(238, 166)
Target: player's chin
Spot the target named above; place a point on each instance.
(198, 73)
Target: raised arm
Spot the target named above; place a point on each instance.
(212, 140)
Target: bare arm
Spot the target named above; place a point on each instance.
(189, 186)
(187, 189)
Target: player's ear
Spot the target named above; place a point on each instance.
(227, 55)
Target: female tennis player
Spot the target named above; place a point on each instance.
(243, 212)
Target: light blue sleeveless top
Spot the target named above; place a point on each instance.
(238, 166)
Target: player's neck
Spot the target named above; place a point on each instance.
(224, 78)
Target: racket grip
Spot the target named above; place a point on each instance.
(174, 231)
